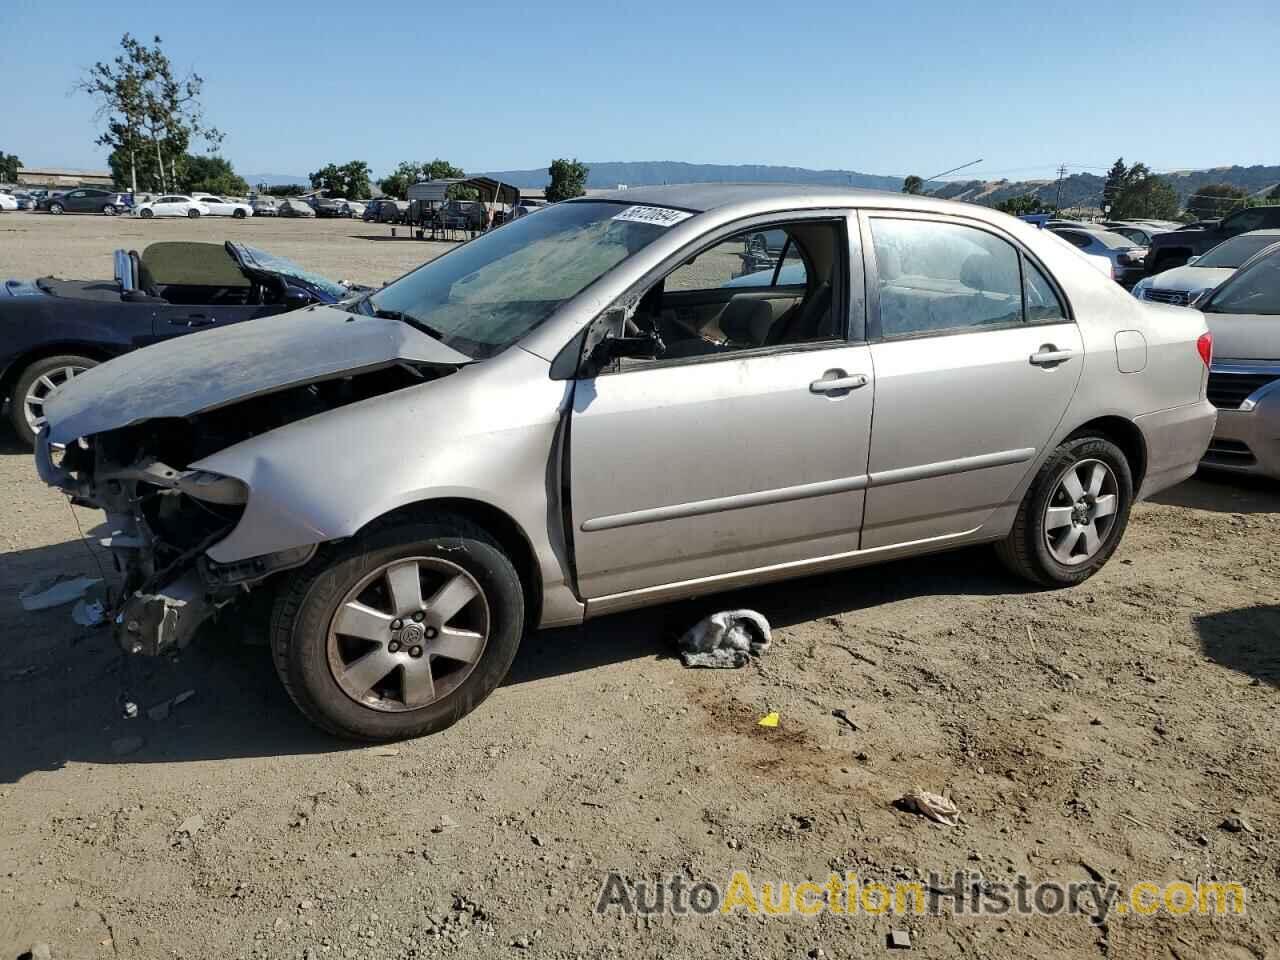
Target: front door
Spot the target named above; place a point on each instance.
(976, 359)
(746, 445)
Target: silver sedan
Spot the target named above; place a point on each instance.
(622, 401)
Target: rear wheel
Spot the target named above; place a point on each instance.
(1073, 516)
(55, 208)
(400, 631)
(239, 214)
(147, 213)
(193, 214)
(109, 210)
(33, 388)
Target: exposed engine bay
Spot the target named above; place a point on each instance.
(162, 515)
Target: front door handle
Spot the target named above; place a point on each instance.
(1049, 356)
(837, 381)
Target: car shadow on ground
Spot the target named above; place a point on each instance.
(1246, 640)
(1223, 492)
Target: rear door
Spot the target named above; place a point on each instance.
(976, 358)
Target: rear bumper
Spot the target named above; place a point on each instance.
(1248, 440)
(1176, 439)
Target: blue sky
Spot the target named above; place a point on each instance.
(883, 88)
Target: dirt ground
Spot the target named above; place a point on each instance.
(1109, 729)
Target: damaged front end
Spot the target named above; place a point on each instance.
(160, 519)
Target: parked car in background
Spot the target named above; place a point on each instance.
(8, 202)
(579, 378)
(1139, 233)
(84, 200)
(264, 206)
(25, 200)
(295, 207)
(52, 330)
(219, 207)
(385, 210)
(351, 208)
(1244, 380)
(525, 206)
(1126, 257)
(172, 205)
(1181, 286)
(1173, 249)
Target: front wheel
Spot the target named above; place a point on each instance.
(147, 213)
(34, 386)
(55, 208)
(109, 210)
(399, 631)
(1073, 515)
(239, 214)
(193, 214)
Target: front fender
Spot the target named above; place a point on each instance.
(487, 433)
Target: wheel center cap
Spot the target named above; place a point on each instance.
(411, 634)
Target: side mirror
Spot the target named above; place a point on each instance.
(647, 346)
(295, 299)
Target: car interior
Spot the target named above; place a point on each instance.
(755, 289)
(186, 273)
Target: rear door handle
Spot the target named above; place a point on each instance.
(1048, 356)
(839, 383)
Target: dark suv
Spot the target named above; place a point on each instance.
(85, 200)
(1169, 250)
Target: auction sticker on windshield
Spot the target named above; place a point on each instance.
(658, 216)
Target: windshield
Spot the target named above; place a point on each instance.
(487, 294)
(1256, 289)
(256, 259)
(1234, 252)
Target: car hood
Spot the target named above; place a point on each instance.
(213, 368)
(1244, 336)
(1186, 279)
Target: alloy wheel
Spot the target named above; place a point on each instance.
(1081, 512)
(41, 389)
(408, 634)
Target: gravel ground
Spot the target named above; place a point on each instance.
(1110, 729)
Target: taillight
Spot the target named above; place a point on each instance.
(1205, 346)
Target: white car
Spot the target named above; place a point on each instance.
(172, 205)
(8, 201)
(218, 207)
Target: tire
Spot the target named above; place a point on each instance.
(146, 213)
(239, 214)
(109, 210)
(193, 214)
(55, 208)
(29, 384)
(1036, 546)
(314, 657)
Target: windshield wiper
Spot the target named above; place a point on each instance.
(409, 319)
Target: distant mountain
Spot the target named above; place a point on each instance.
(275, 179)
(655, 172)
(1085, 189)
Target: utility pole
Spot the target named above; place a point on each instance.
(1062, 172)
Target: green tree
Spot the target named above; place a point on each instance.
(568, 180)
(285, 190)
(913, 184)
(397, 183)
(351, 180)
(1023, 204)
(1275, 193)
(1147, 196)
(212, 174)
(1117, 180)
(9, 165)
(1215, 200)
(146, 109)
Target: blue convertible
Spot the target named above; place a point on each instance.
(51, 329)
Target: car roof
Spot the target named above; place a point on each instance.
(702, 197)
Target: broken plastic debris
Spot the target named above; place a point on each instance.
(769, 720)
(55, 591)
(725, 640)
(89, 613)
(937, 808)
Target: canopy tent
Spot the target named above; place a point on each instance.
(488, 190)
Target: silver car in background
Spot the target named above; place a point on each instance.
(1128, 259)
(1244, 381)
(591, 410)
(1182, 286)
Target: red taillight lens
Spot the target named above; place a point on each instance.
(1205, 346)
